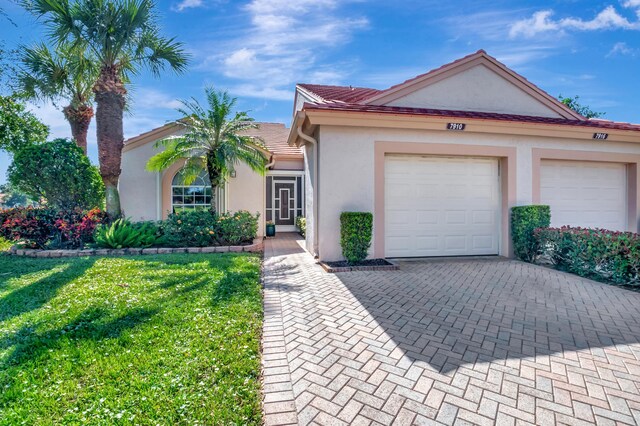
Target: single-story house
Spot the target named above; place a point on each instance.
(277, 196)
(438, 159)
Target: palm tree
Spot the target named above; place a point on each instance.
(123, 36)
(215, 140)
(68, 75)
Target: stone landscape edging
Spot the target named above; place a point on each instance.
(255, 247)
(336, 269)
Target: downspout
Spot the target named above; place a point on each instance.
(314, 142)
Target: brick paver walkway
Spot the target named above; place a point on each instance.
(446, 342)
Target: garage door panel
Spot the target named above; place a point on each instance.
(482, 242)
(427, 217)
(482, 217)
(454, 217)
(586, 194)
(452, 208)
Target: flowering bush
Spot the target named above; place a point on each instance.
(595, 253)
(201, 228)
(46, 228)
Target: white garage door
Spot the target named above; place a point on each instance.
(586, 194)
(436, 206)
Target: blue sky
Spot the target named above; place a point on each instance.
(259, 49)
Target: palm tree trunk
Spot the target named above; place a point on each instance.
(214, 176)
(110, 100)
(79, 119)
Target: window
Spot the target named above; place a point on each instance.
(194, 196)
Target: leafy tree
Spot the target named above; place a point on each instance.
(58, 173)
(18, 127)
(123, 36)
(66, 74)
(214, 140)
(13, 198)
(583, 110)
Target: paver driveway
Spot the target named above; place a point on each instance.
(477, 341)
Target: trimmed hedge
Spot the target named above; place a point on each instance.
(204, 228)
(524, 221)
(594, 253)
(301, 223)
(355, 235)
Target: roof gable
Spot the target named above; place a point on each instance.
(477, 82)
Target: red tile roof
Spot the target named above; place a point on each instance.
(599, 124)
(274, 136)
(346, 94)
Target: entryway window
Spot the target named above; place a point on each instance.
(194, 196)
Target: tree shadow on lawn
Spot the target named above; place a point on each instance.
(450, 314)
(91, 324)
(35, 295)
(230, 275)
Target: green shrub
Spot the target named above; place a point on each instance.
(124, 234)
(59, 173)
(524, 221)
(237, 228)
(203, 228)
(355, 235)
(301, 223)
(595, 253)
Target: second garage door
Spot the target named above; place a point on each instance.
(437, 206)
(586, 194)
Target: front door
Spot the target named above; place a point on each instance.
(284, 201)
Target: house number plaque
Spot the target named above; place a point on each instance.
(455, 126)
(601, 136)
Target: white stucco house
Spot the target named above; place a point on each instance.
(153, 195)
(438, 159)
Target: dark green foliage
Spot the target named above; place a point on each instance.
(59, 173)
(595, 253)
(524, 221)
(124, 234)
(301, 223)
(19, 128)
(203, 228)
(355, 235)
(583, 110)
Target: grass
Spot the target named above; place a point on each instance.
(171, 339)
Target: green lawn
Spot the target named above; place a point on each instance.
(170, 339)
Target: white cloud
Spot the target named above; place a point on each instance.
(622, 49)
(543, 22)
(187, 4)
(147, 98)
(285, 43)
(53, 117)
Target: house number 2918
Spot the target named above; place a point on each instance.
(455, 126)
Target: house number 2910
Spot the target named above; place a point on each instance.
(455, 126)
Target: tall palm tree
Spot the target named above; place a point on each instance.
(123, 36)
(215, 140)
(67, 75)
